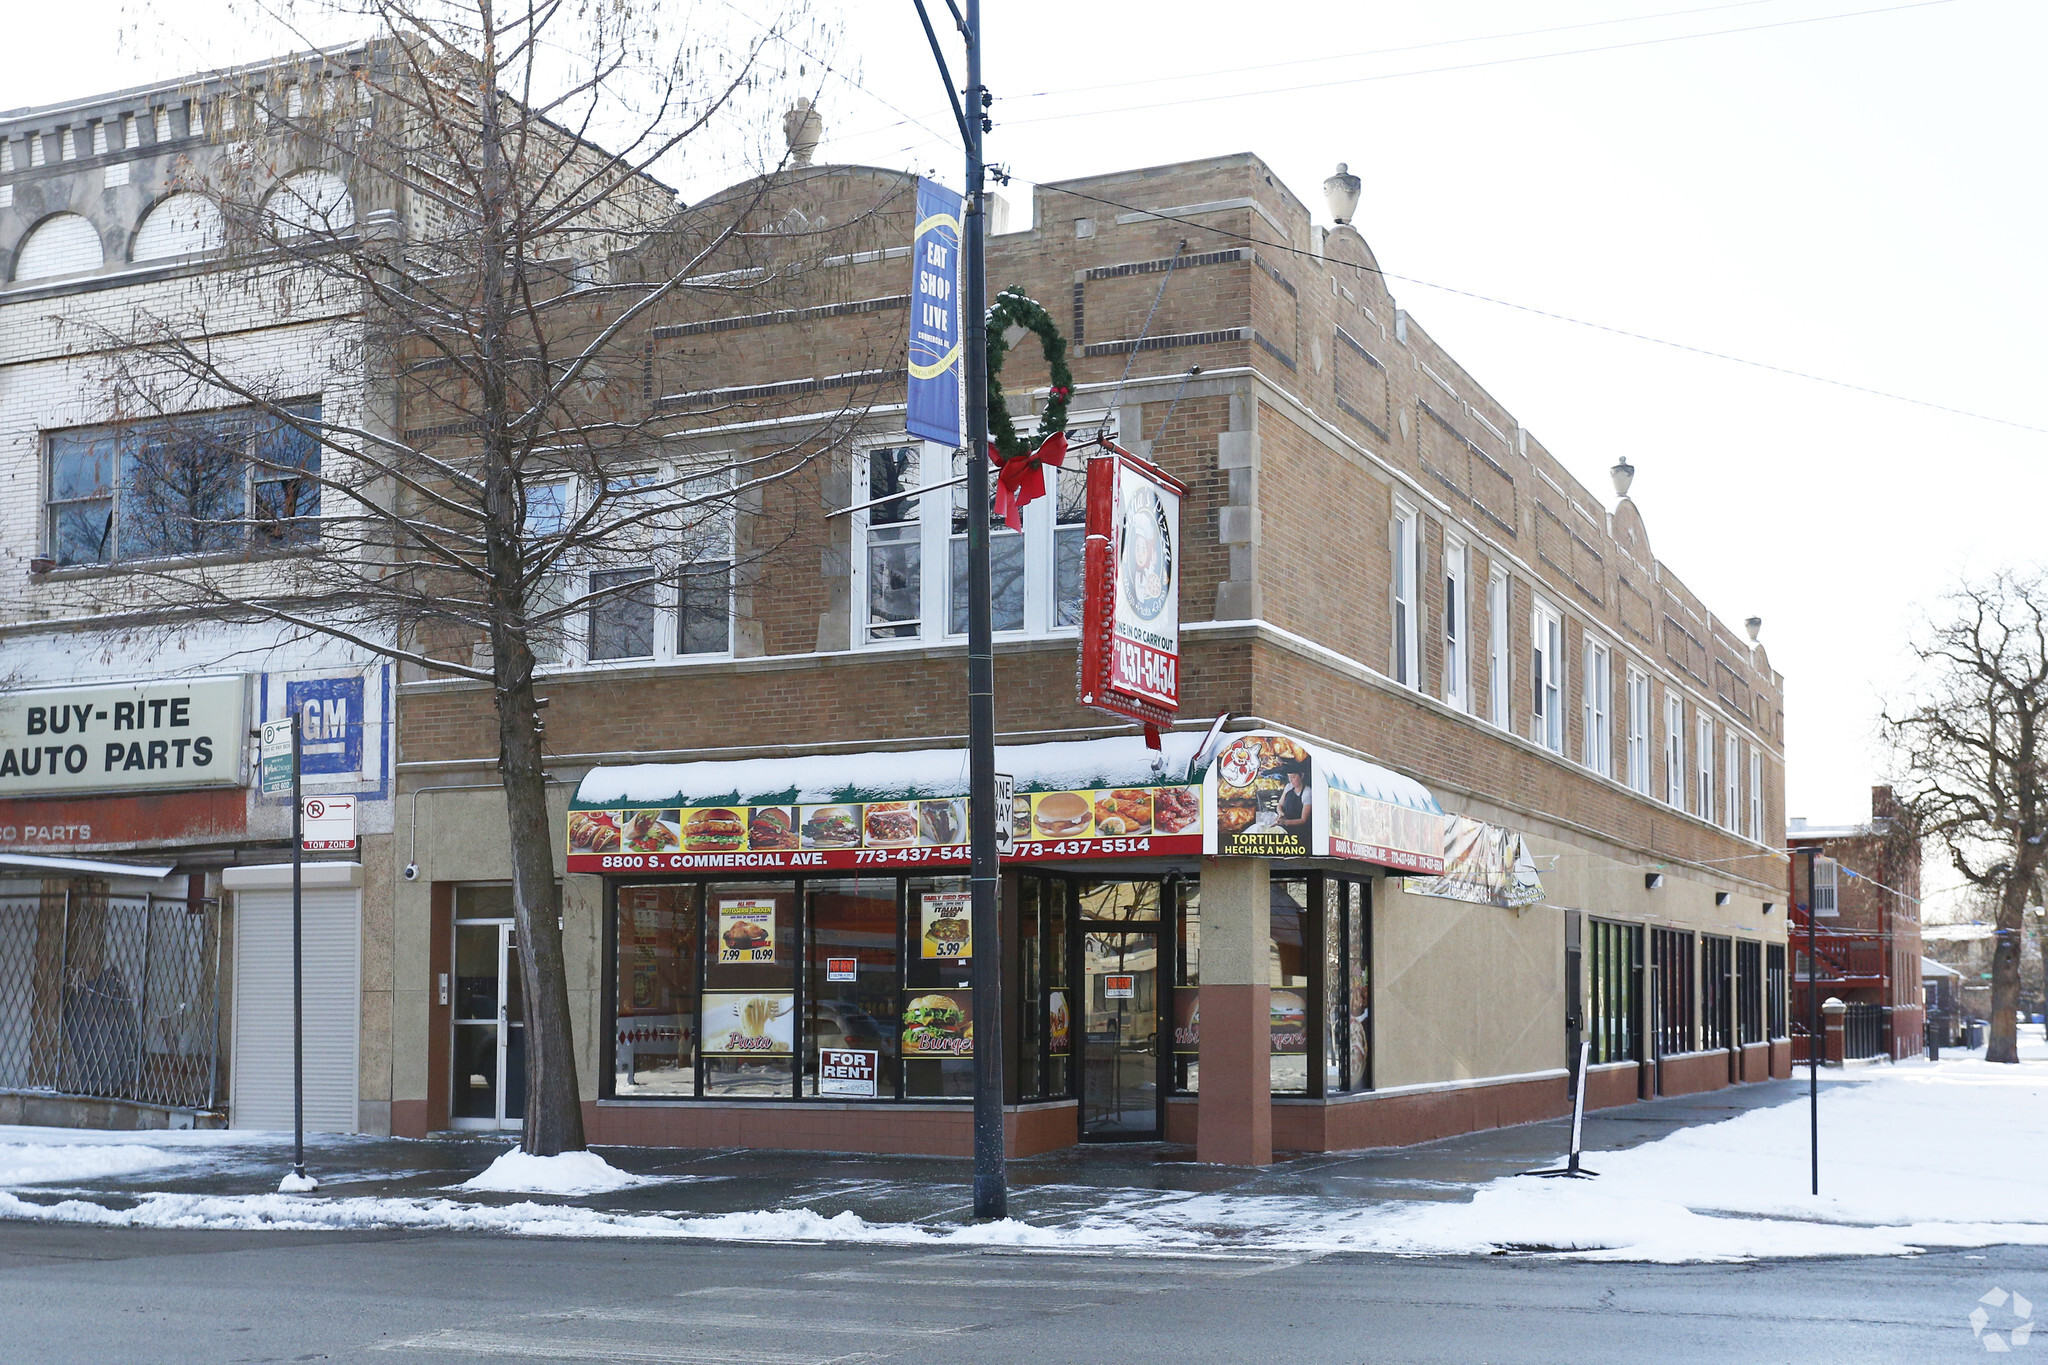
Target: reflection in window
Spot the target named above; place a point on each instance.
(894, 580)
(1006, 563)
(938, 1011)
(1069, 544)
(622, 618)
(654, 1036)
(1288, 998)
(853, 924)
(749, 1008)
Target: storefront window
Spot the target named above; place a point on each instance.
(850, 988)
(1128, 902)
(1030, 1020)
(1335, 1011)
(654, 1034)
(1059, 1023)
(1616, 951)
(1288, 931)
(1187, 981)
(750, 980)
(938, 1006)
(1358, 948)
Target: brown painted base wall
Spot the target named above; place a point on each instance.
(1756, 1061)
(1615, 1085)
(1398, 1120)
(1693, 1073)
(1781, 1059)
(895, 1129)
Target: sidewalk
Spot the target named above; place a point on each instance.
(1913, 1155)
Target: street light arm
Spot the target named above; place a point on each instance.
(931, 36)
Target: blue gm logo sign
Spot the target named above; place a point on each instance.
(331, 720)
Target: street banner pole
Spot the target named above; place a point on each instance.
(298, 960)
(1813, 1040)
(991, 1180)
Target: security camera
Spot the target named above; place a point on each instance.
(412, 872)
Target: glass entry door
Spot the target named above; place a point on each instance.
(488, 1084)
(1120, 1080)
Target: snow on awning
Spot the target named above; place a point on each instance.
(1073, 799)
(34, 862)
(1929, 967)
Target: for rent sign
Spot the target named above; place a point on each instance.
(162, 735)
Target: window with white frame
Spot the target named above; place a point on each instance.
(1497, 682)
(665, 591)
(1731, 804)
(1597, 742)
(1457, 630)
(1407, 633)
(1546, 693)
(1674, 749)
(1638, 688)
(1705, 794)
(1035, 574)
(1756, 793)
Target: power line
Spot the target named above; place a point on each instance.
(1468, 66)
(1279, 247)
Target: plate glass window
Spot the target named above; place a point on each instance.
(1497, 683)
(1407, 667)
(894, 550)
(1756, 793)
(1638, 732)
(704, 568)
(1006, 562)
(1705, 809)
(1731, 805)
(1674, 750)
(1457, 646)
(1545, 692)
(1597, 743)
(622, 610)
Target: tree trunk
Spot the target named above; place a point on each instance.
(2003, 1044)
(554, 1108)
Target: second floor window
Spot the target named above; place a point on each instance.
(1705, 796)
(1638, 732)
(1407, 635)
(1674, 750)
(1497, 683)
(670, 599)
(1756, 794)
(194, 484)
(1546, 651)
(1598, 742)
(1731, 804)
(911, 551)
(1457, 644)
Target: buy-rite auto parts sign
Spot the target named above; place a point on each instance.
(124, 737)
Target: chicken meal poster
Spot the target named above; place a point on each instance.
(746, 930)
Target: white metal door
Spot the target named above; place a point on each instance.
(261, 1078)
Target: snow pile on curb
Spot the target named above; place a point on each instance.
(569, 1173)
(35, 1163)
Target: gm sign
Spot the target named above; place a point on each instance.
(331, 719)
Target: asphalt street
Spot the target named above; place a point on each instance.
(72, 1294)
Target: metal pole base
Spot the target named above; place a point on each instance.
(991, 1197)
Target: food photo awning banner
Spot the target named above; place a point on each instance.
(1484, 864)
(936, 410)
(1097, 798)
(1274, 796)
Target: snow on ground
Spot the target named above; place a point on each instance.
(516, 1172)
(35, 1163)
(1913, 1156)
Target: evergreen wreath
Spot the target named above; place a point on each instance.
(1014, 308)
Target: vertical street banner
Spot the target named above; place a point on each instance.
(1130, 601)
(937, 399)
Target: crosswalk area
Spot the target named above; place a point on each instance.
(937, 1306)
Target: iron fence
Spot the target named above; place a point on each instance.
(1863, 1031)
(112, 996)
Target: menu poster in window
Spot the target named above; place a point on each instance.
(1059, 1025)
(1288, 1011)
(1264, 805)
(939, 1024)
(947, 928)
(744, 1024)
(746, 929)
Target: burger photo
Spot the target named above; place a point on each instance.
(932, 1023)
(770, 827)
(715, 830)
(1063, 815)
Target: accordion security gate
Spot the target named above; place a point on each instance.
(110, 996)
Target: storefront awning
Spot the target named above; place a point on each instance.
(36, 862)
(1095, 798)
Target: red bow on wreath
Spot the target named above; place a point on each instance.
(1023, 479)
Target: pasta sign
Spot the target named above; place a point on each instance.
(1130, 626)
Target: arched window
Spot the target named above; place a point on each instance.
(181, 225)
(65, 244)
(311, 201)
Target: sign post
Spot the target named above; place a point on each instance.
(282, 752)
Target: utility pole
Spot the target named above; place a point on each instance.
(1813, 1038)
(991, 1194)
(298, 959)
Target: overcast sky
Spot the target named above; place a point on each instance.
(1857, 197)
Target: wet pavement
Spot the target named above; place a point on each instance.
(900, 1189)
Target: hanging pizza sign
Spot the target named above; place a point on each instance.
(1130, 619)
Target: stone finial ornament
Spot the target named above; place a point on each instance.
(1341, 191)
(804, 128)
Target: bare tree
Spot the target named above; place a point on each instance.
(462, 217)
(1973, 746)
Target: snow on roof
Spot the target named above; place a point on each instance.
(1929, 967)
(1956, 933)
(1068, 765)
(94, 866)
